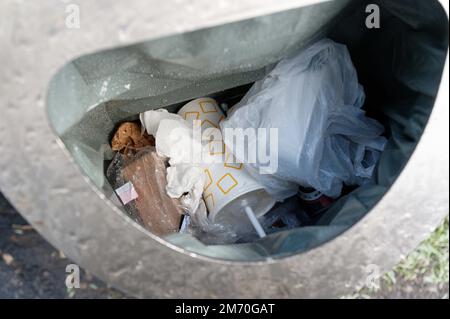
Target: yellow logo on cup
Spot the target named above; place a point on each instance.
(227, 180)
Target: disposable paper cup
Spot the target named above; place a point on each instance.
(204, 109)
(228, 188)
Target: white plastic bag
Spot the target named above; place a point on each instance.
(324, 138)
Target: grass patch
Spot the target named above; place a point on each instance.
(427, 265)
(430, 260)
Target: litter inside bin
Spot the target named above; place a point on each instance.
(127, 193)
(193, 171)
(140, 181)
(129, 137)
(314, 96)
(400, 66)
(324, 138)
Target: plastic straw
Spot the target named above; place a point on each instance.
(255, 222)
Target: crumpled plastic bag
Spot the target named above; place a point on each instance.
(324, 137)
(143, 174)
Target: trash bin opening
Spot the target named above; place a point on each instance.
(399, 65)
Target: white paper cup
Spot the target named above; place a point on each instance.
(228, 187)
(204, 109)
